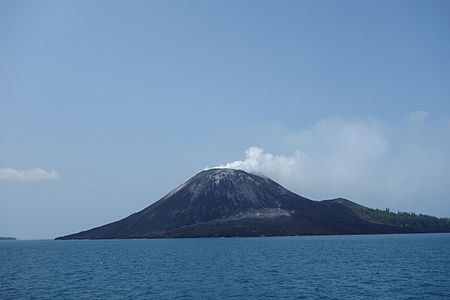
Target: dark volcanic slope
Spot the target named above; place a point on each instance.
(228, 202)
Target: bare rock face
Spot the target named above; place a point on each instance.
(228, 202)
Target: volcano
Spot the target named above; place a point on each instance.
(233, 203)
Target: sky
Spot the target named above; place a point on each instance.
(106, 106)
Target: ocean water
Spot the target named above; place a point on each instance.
(415, 266)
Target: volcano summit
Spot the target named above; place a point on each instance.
(231, 203)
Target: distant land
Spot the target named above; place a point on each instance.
(5, 238)
(234, 203)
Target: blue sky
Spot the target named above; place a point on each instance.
(125, 100)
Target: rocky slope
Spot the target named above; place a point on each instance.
(228, 202)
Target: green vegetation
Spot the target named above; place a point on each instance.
(401, 219)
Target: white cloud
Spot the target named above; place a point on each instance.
(87, 183)
(27, 175)
(376, 164)
(418, 116)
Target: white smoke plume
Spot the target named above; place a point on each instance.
(404, 167)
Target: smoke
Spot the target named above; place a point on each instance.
(404, 166)
(266, 163)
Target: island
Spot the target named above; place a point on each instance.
(233, 203)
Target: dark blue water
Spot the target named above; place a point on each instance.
(327, 267)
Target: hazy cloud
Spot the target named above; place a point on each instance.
(87, 183)
(380, 165)
(27, 175)
(418, 116)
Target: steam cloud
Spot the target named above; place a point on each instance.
(404, 166)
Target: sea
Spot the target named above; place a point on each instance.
(409, 266)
